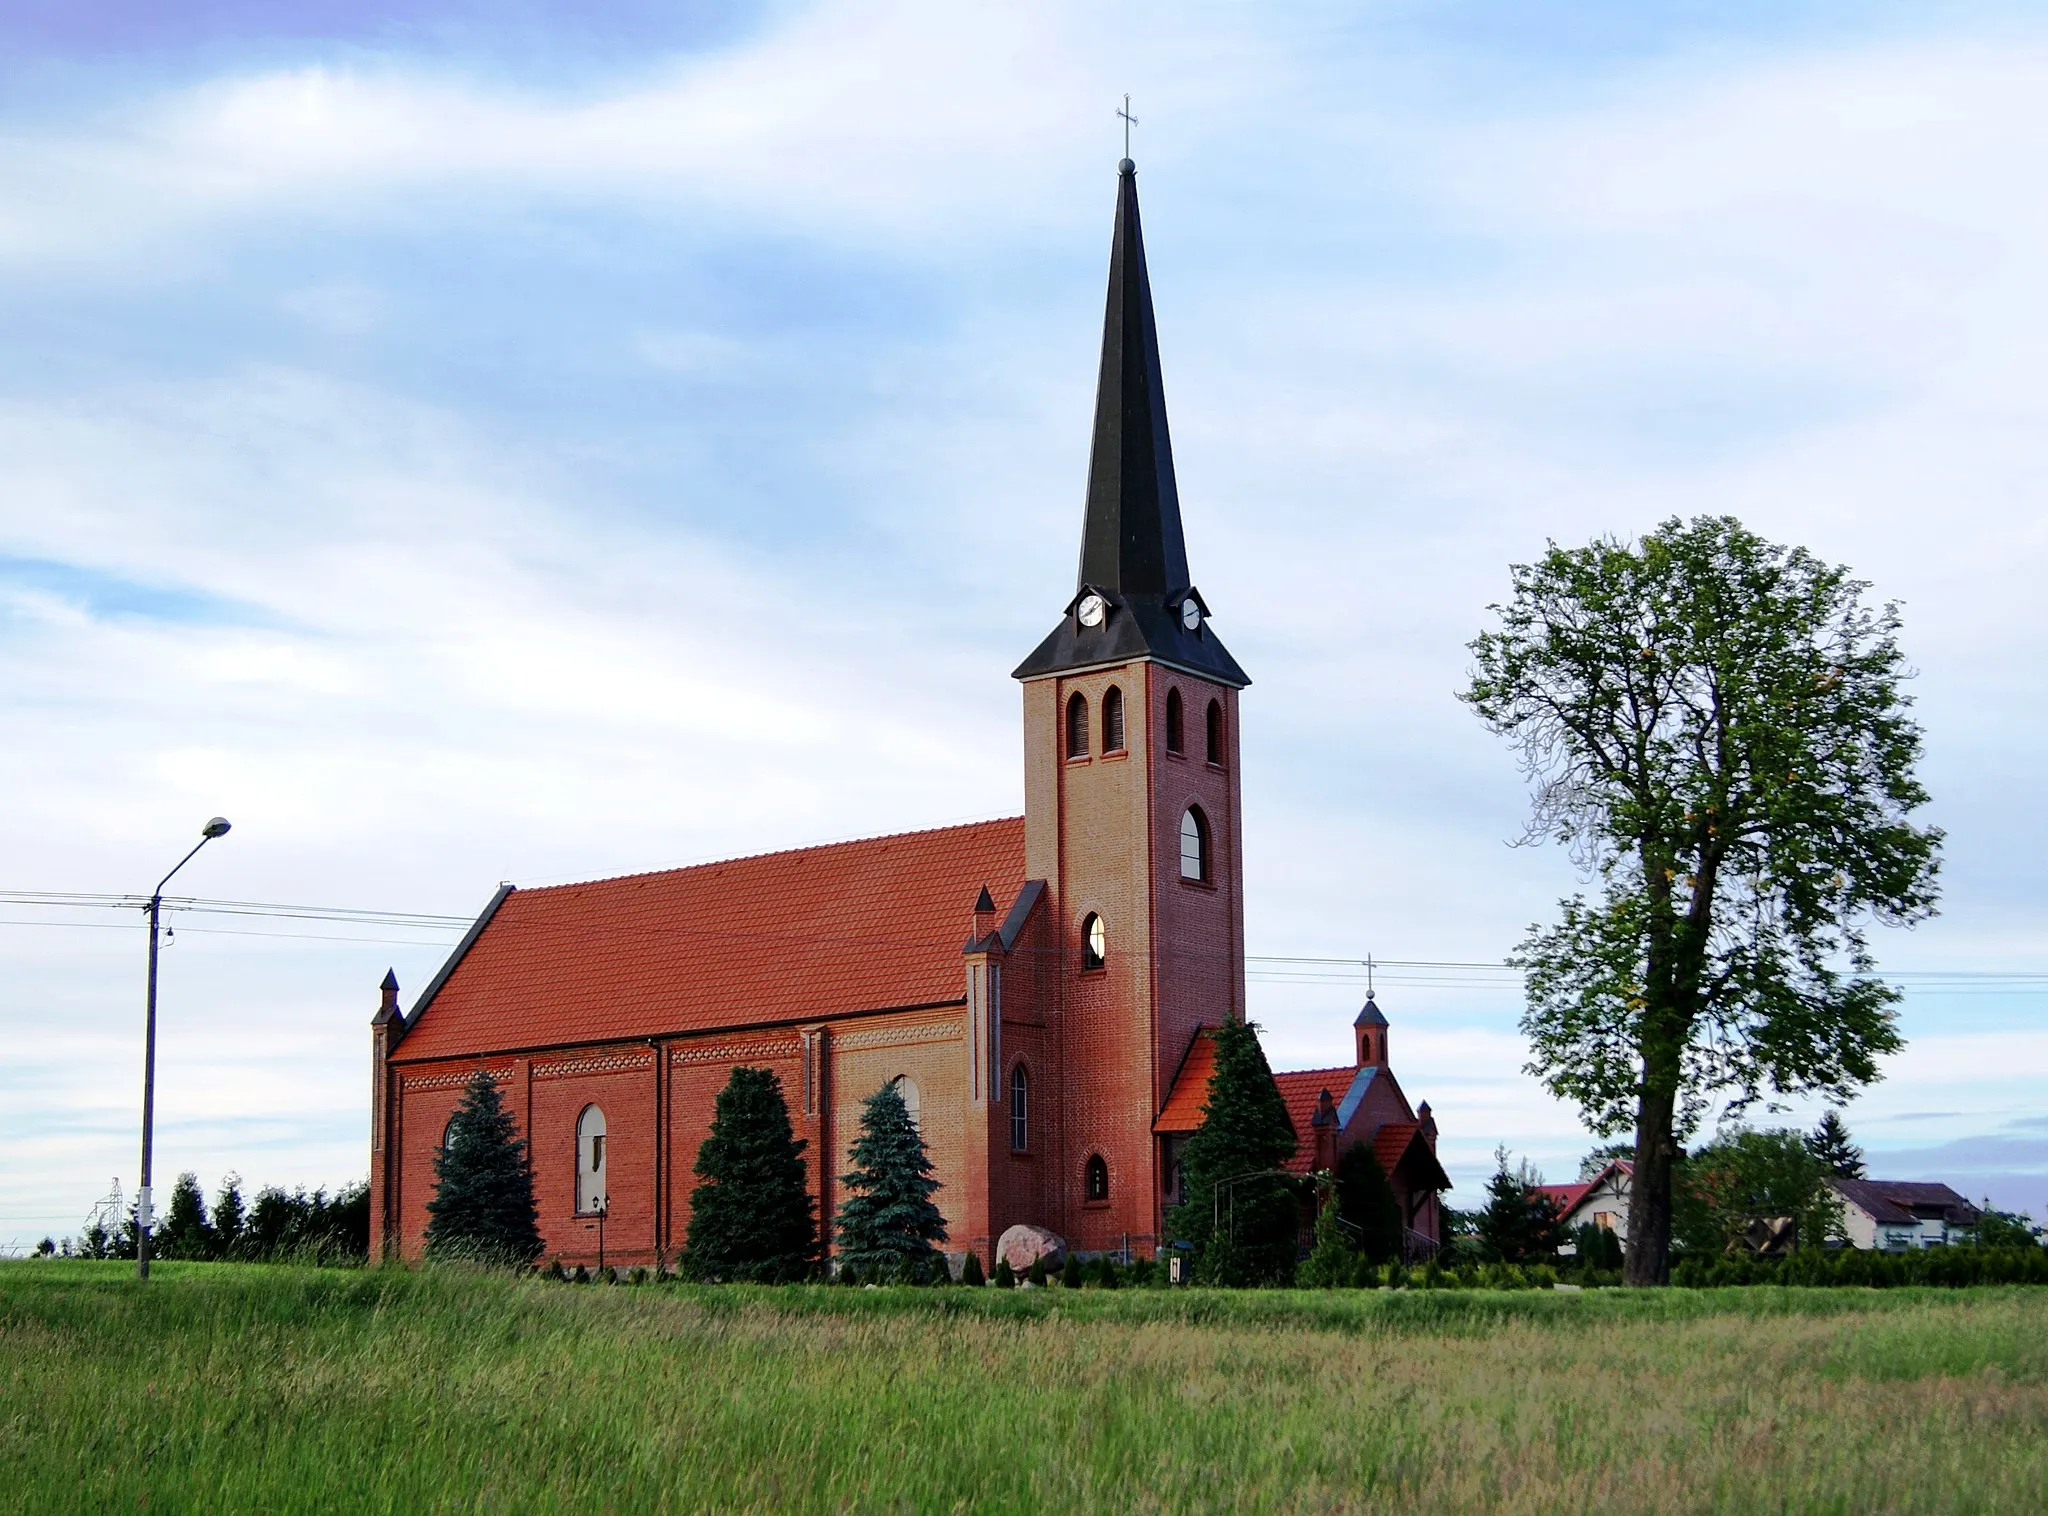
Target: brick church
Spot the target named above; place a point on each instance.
(1038, 986)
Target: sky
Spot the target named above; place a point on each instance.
(466, 443)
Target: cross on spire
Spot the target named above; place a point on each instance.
(1129, 122)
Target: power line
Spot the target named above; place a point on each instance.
(1271, 968)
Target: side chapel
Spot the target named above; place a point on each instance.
(1037, 986)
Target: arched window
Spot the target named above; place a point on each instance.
(1113, 720)
(913, 1101)
(448, 1135)
(589, 1160)
(1077, 726)
(1094, 942)
(1173, 721)
(1194, 844)
(1097, 1178)
(1020, 1110)
(1215, 731)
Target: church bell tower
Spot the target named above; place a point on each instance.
(1132, 810)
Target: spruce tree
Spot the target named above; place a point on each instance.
(229, 1214)
(1241, 1214)
(888, 1213)
(751, 1218)
(185, 1232)
(1829, 1143)
(1366, 1199)
(483, 1208)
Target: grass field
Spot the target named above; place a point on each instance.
(245, 1388)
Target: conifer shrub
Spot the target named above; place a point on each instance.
(483, 1208)
(1242, 1212)
(752, 1217)
(1106, 1274)
(888, 1213)
(1144, 1274)
(554, 1271)
(1005, 1276)
(970, 1270)
(1330, 1264)
(1036, 1273)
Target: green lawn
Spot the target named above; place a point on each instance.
(245, 1388)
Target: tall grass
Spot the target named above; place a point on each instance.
(247, 1388)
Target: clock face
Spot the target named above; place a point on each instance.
(1190, 614)
(1092, 610)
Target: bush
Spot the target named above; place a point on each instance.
(970, 1270)
(1006, 1277)
(1036, 1273)
(1106, 1274)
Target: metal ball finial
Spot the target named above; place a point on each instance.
(1126, 167)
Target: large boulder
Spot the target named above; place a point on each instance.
(1021, 1246)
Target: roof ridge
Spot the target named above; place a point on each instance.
(785, 852)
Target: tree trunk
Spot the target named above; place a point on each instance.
(1648, 1260)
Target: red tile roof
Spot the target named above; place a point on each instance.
(1183, 1109)
(867, 925)
(1302, 1089)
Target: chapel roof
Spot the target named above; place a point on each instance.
(1133, 551)
(874, 924)
(1302, 1090)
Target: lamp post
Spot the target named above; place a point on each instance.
(144, 1218)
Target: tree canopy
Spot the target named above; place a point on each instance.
(1714, 725)
(483, 1208)
(752, 1217)
(888, 1216)
(1241, 1213)
(1743, 1176)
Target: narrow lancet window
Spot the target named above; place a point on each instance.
(1020, 1110)
(1098, 1178)
(1215, 731)
(1173, 721)
(590, 1158)
(1094, 942)
(1113, 720)
(1194, 845)
(1077, 726)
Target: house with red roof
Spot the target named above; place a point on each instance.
(1600, 1201)
(1037, 987)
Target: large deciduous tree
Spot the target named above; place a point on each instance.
(1715, 726)
(752, 1217)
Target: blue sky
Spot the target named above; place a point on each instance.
(465, 443)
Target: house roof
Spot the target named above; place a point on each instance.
(1570, 1196)
(1894, 1201)
(1183, 1109)
(875, 924)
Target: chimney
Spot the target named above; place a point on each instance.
(984, 914)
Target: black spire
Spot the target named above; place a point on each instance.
(1133, 556)
(1131, 538)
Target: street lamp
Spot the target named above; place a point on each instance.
(218, 827)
